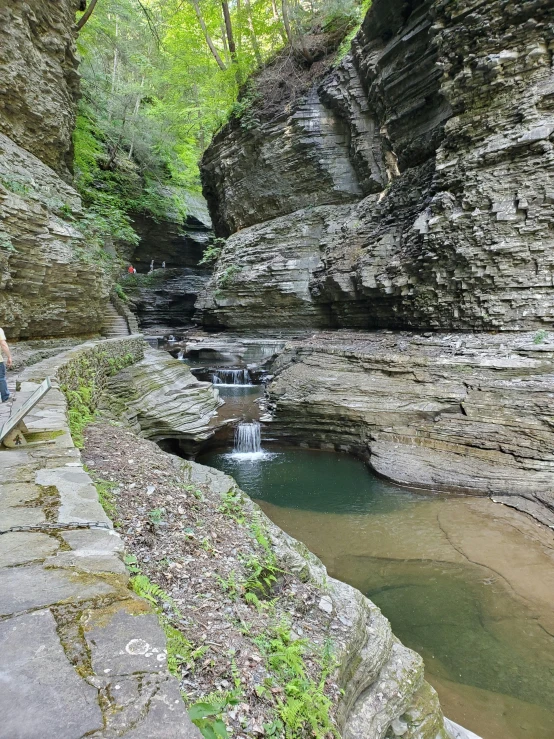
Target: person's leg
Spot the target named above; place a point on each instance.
(4, 394)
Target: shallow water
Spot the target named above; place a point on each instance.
(241, 401)
(467, 583)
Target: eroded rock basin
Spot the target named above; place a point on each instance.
(464, 581)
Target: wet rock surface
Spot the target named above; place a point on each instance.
(170, 298)
(449, 412)
(446, 128)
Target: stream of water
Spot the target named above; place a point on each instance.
(467, 583)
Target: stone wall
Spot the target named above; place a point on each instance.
(442, 117)
(40, 84)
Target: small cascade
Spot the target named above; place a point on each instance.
(248, 438)
(231, 377)
(181, 355)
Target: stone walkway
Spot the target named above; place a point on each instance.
(79, 653)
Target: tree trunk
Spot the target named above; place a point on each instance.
(253, 37)
(286, 21)
(84, 18)
(229, 30)
(134, 118)
(215, 53)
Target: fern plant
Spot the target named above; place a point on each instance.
(145, 588)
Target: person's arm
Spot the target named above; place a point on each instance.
(6, 350)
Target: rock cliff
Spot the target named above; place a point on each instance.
(411, 186)
(160, 398)
(167, 298)
(52, 280)
(457, 413)
(40, 84)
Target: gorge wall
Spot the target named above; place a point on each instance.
(52, 276)
(412, 186)
(40, 84)
(167, 299)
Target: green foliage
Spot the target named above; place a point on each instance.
(148, 590)
(156, 515)
(357, 13)
(6, 242)
(15, 185)
(231, 585)
(262, 573)
(82, 381)
(540, 336)
(131, 562)
(154, 93)
(80, 412)
(212, 251)
(233, 505)
(180, 652)
(305, 711)
(226, 277)
(106, 497)
(120, 292)
(207, 714)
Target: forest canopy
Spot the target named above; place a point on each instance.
(159, 77)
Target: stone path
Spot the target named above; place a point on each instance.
(79, 653)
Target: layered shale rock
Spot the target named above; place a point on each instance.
(412, 186)
(40, 84)
(161, 399)
(177, 243)
(50, 284)
(167, 298)
(455, 412)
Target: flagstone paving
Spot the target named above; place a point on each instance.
(80, 654)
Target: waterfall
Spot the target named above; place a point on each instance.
(248, 438)
(231, 377)
(181, 355)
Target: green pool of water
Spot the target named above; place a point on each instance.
(464, 582)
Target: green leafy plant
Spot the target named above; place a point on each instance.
(15, 185)
(305, 710)
(6, 242)
(540, 336)
(156, 516)
(231, 585)
(233, 505)
(228, 275)
(148, 590)
(212, 251)
(106, 497)
(207, 714)
(131, 562)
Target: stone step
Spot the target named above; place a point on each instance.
(113, 325)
